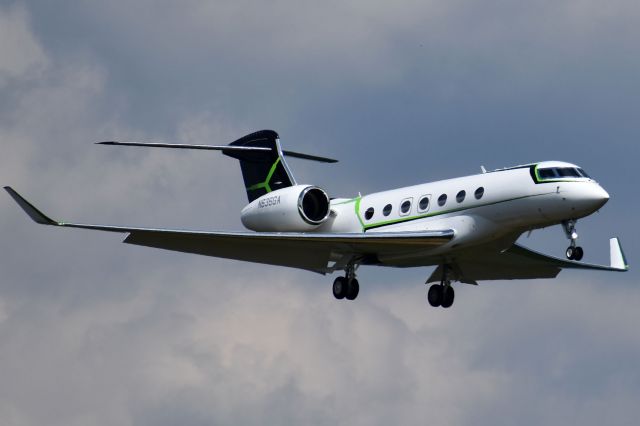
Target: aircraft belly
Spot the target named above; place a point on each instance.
(412, 259)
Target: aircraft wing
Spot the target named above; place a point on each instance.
(519, 262)
(311, 251)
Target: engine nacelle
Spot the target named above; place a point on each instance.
(294, 209)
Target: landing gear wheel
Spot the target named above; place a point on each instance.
(447, 296)
(340, 287)
(435, 295)
(353, 288)
(578, 253)
(575, 253)
(571, 252)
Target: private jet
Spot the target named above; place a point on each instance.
(466, 227)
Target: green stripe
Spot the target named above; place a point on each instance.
(257, 186)
(357, 207)
(540, 180)
(270, 175)
(344, 202)
(410, 218)
(265, 184)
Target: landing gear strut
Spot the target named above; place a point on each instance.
(441, 294)
(574, 252)
(347, 286)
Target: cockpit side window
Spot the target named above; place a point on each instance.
(547, 173)
(584, 174)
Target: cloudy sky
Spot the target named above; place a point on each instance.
(93, 332)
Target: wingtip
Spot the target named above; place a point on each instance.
(618, 259)
(35, 214)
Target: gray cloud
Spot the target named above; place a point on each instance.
(95, 332)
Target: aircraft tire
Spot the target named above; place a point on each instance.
(447, 296)
(434, 296)
(578, 253)
(353, 288)
(571, 253)
(340, 288)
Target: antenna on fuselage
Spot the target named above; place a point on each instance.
(483, 169)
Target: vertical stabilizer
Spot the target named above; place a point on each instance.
(263, 171)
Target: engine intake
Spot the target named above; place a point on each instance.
(313, 205)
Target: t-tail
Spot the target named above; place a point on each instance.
(263, 171)
(262, 162)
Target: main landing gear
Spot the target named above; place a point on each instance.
(347, 286)
(574, 252)
(441, 294)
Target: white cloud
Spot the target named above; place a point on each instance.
(93, 332)
(228, 351)
(20, 54)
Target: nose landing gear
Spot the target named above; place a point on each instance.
(574, 252)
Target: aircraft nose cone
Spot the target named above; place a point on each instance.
(599, 196)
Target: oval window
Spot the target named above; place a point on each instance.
(369, 213)
(405, 206)
(423, 204)
(460, 196)
(387, 210)
(479, 193)
(442, 200)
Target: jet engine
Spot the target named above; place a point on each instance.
(297, 208)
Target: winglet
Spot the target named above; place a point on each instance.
(33, 212)
(618, 260)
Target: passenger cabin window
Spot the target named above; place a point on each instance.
(479, 193)
(442, 200)
(405, 207)
(387, 210)
(423, 204)
(461, 195)
(369, 213)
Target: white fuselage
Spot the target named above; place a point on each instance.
(497, 205)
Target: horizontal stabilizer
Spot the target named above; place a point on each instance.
(186, 146)
(223, 148)
(308, 157)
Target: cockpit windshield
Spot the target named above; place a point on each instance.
(557, 173)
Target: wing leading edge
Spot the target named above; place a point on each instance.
(310, 251)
